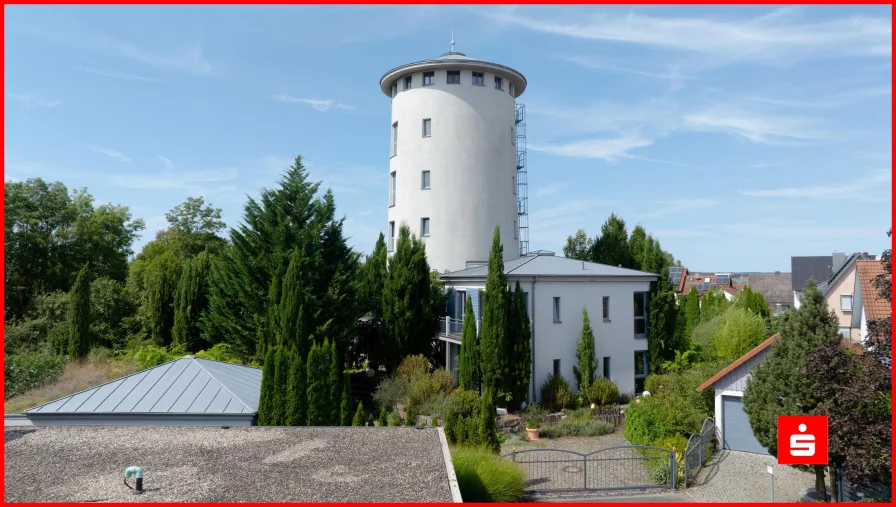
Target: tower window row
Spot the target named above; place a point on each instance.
(452, 77)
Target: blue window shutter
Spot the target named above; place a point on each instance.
(452, 297)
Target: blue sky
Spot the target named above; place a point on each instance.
(739, 135)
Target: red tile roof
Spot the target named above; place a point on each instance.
(875, 306)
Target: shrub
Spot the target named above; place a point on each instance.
(435, 421)
(576, 427)
(423, 387)
(411, 414)
(392, 391)
(535, 416)
(394, 420)
(461, 402)
(151, 355)
(220, 352)
(359, 419)
(384, 417)
(662, 472)
(434, 406)
(556, 393)
(488, 431)
(29, 370)
(412, 367)
(484, 477)
(444, 380)
(602, 392)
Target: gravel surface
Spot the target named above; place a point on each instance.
(254, 464)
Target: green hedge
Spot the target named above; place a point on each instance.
(484, 477)
(29, 370)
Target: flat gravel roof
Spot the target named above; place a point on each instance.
(207, 464)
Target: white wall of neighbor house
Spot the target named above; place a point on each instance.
(615, 339)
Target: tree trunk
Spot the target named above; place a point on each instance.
(835, 476)
(820, 488)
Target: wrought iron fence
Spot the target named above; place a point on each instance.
(614, 468)
(700, 448)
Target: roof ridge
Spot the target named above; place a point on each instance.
(216, 379)
(103, 384)
(224, 362)
(527, 261)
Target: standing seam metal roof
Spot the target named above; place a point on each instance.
(549, 265)
(189, 385)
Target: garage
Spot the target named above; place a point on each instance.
(738, 436)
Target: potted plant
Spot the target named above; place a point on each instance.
(534, 417)
(533, 428)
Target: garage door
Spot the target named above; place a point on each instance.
(736, 427)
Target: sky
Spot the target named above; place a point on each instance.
(739, 136)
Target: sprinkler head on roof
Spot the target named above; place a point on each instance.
(137, 472)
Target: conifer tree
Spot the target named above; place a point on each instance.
(410, 417)
(781, 386)
(468, 375)
(692, 310)
(79, 315)
(585, 355)
(292, 306)
(345, 408)
(297, 407)
(384, 417)
(493, 335)
(280, 410)
(266, 398)
(359, 419)
(488, 430)
(520, 348)
(191, 300)
(269, 333)
(319, 399)
(406, 301)
(664, 335)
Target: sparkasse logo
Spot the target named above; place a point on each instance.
(803, 440)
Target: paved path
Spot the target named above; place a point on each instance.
(732, 476)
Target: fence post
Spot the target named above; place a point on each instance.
(702, 445)
(513, 454)
(585, 472)
(674, 472)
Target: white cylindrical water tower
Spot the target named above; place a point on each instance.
(453, 148)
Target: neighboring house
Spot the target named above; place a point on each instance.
(233, 465)
(867, 303)
(189, 391)
(774, 287)
(819, 267)
(556, 290)
(839, 292)
(732, 423)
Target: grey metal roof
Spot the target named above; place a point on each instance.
(804, 268)
(844, 269)
(189, 385)
(549, 265)
(453, 58)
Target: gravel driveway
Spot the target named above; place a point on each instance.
(732, 476)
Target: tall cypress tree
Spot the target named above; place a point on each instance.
(317, 391)
(488, 430)
(266, 399)
(359, 419)
(373, 332)
(79, 315)
(493, 335)
(280, 397)
(297, 406)
(692, 310)
(664, 335)
(468, 375)
(162, 276)
(191, 300)
(269, 331)
(292, 306)
(521, 348)
(406, 301)
(345, 407)
(585, 355)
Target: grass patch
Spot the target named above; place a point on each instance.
(484, 477)
(76, 376)
(576, 427)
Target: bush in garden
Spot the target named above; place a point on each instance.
(394, 420)
(412, 367)
(602, 392)
(434, 406)
(392, 391)
(484, 477)
(535, 416)
(488, 430)
(384, 417)
(473, 435)
(576, 427)
(444, 380)
(359, 419)
(463, 402)
(29, 370)
(459, 430)
(435, 421)
(411, 414)
(556, 393)
(654, 417)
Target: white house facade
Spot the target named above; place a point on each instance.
(453, 165)
(557, 289)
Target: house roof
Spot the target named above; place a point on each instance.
(739, 361)
(209, 464)
(804, 268)
(189, 385)
(550, 265)
(829, 284)
(875, 306)
(774, 287)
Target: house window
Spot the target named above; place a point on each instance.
(556, 310)
(844, 332)
(511, 89)
(395, 139)
(429, 78)
(499, 83)
(478, 79)
(461, 306)
(392, 189)
(453, 77)
(425, 182)
(427, 127)
(424, 227)
(846, 302)
(391, 236)
(640, 314)
(640, 370)
(394, 89)
(606, 308)
(556, 367)
(407, 83)
(607, 367)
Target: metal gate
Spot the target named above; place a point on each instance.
(699, 449)
(614, 468)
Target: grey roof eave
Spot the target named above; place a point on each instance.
(554, 278)
(386, 80)
(140, 419)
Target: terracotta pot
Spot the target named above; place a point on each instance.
(532, 433)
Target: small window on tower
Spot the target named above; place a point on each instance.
(453, 77)
(394, 89)
(425, 183)
(407, 83)
(478, 79)
(511, 90)
(499, 83)
(427, 127)
(429, 78)
(424, 227)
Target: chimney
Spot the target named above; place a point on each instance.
(839, 259)
(777, 273)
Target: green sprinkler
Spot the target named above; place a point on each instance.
(137, 472)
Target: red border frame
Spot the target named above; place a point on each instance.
(393, 2)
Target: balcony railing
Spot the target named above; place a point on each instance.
(452, 327)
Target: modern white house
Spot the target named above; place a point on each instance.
(557, 289)
(457, 165)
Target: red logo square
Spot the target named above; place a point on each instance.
(802, 440)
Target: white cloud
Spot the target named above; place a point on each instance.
(855, 190)
(118, 75)
(166, 162)
(680, 206)
(33, 100)
(189, 60)
(117, 155)
(598, 64)
(322, 105)
(774, 37)
(759, 128)
(609, 149)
